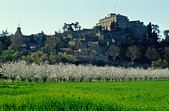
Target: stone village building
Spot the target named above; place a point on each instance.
(28, 43)
(136, 28)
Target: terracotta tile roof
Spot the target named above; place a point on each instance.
(84, 57)
(66, 49)
(23, 45)
(93, 42)
(32, 47)
(85, 49)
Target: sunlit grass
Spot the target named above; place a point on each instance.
(152, 95)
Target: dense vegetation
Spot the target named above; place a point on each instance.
(128, 96)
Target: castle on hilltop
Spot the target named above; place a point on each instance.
(106, 22)
(137, 28)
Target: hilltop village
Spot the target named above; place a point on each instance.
(114, 38)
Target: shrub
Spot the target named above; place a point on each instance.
(160, 63)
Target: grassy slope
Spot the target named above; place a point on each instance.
(85, 96)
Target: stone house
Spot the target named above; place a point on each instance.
(67, 50)
(78, 43)
(84, 52)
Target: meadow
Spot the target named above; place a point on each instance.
(81, 96)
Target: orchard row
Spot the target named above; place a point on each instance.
(70, 72)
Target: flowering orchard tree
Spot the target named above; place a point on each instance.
(80, 73)
(69, 72)
(54, 72)
(31, 71)
(10, 70)
(22, 70)
(43, 70)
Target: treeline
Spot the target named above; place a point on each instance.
(36, 57)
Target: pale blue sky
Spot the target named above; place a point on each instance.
(50, 15)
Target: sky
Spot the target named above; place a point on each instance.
(33, 16)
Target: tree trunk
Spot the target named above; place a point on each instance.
(114, 58)
(53, 79)
(57, 80)
(44, 79)
(130, 79)
(81, 79)
(107, 79)
(132, 59)
(73, 79)
(23, 80)
(99, 79)
(60, 79)
(90, 79)
(36, 80)
(29, 79)
(156, 78)
(141, 79)
(64, 80)
(13, 79)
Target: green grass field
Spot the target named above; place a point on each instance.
(151, 96)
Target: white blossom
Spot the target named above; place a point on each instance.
(70, 72)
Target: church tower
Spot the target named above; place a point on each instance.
(17, 40)
(18, 31)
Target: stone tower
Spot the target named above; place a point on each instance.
(17, 40)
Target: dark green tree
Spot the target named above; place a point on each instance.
(97, 28)
(155, 33)
(5, 40)
(166, 53)
(51, 42)
(160, 63)
(128, 40)
(37, 57)
(149, 30)
(166, 35)
(114, 52)
(152, 54)
(133, 53)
